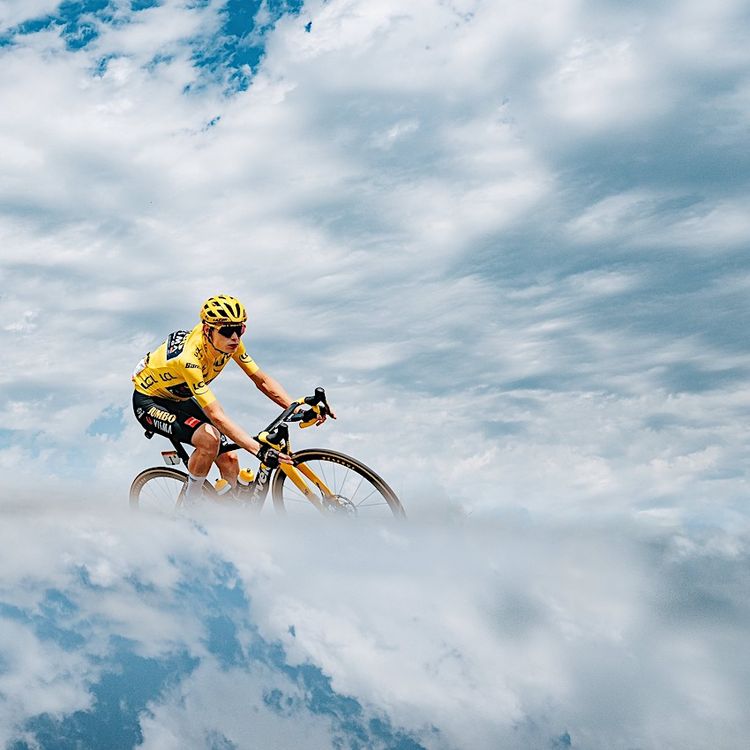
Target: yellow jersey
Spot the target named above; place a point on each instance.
(183, 366)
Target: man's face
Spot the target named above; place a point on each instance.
(226, 338)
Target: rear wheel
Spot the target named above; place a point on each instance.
(159, 489)
(355, 489)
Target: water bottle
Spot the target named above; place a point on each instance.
(245, 477)
(222, 487)
(244, 480)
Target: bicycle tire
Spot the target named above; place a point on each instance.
(321, 457)
(148, 478)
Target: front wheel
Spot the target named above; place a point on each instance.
(336, 483)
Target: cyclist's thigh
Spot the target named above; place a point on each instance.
(194, 412)
(173, 419)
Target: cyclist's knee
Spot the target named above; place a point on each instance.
(207, 438)
(229, 460)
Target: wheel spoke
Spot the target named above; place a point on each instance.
(366, 497)
(362, 479)
(325, 478)
(297, 495)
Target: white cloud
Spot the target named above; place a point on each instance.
(38, 677)
(505, 633)
(603, 83)
(636, 218)
(230, 704)
(13, 12)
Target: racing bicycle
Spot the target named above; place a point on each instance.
(319, 480)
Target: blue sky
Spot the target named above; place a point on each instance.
(510, 240)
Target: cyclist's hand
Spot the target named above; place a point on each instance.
(271, 457)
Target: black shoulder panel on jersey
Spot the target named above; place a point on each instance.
(176, 343)
(181, 390)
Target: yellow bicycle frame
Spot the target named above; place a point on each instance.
(293, 472)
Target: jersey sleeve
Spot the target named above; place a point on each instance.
(198, 387)
(244, 360)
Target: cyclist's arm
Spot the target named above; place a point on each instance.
(271, 387)
(263, 382)
(230, 428)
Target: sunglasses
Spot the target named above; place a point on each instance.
(229, 331)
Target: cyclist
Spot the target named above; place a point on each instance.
(172, 395)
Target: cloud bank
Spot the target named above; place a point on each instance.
(178, 633)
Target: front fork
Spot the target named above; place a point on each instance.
(293, 473)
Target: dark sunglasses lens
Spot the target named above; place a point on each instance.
(228, 331)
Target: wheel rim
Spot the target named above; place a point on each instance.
(160, 494)
(354, 493)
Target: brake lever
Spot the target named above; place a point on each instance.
(319, 397)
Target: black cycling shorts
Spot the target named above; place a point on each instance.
(177, 420)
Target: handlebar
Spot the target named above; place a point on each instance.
(277, 432)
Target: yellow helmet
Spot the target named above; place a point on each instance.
(223, 310)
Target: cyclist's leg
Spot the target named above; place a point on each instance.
(206, 440)
(223, 456)
(229, 466)
(186, 422)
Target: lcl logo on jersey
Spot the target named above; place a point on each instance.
(161, 414)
